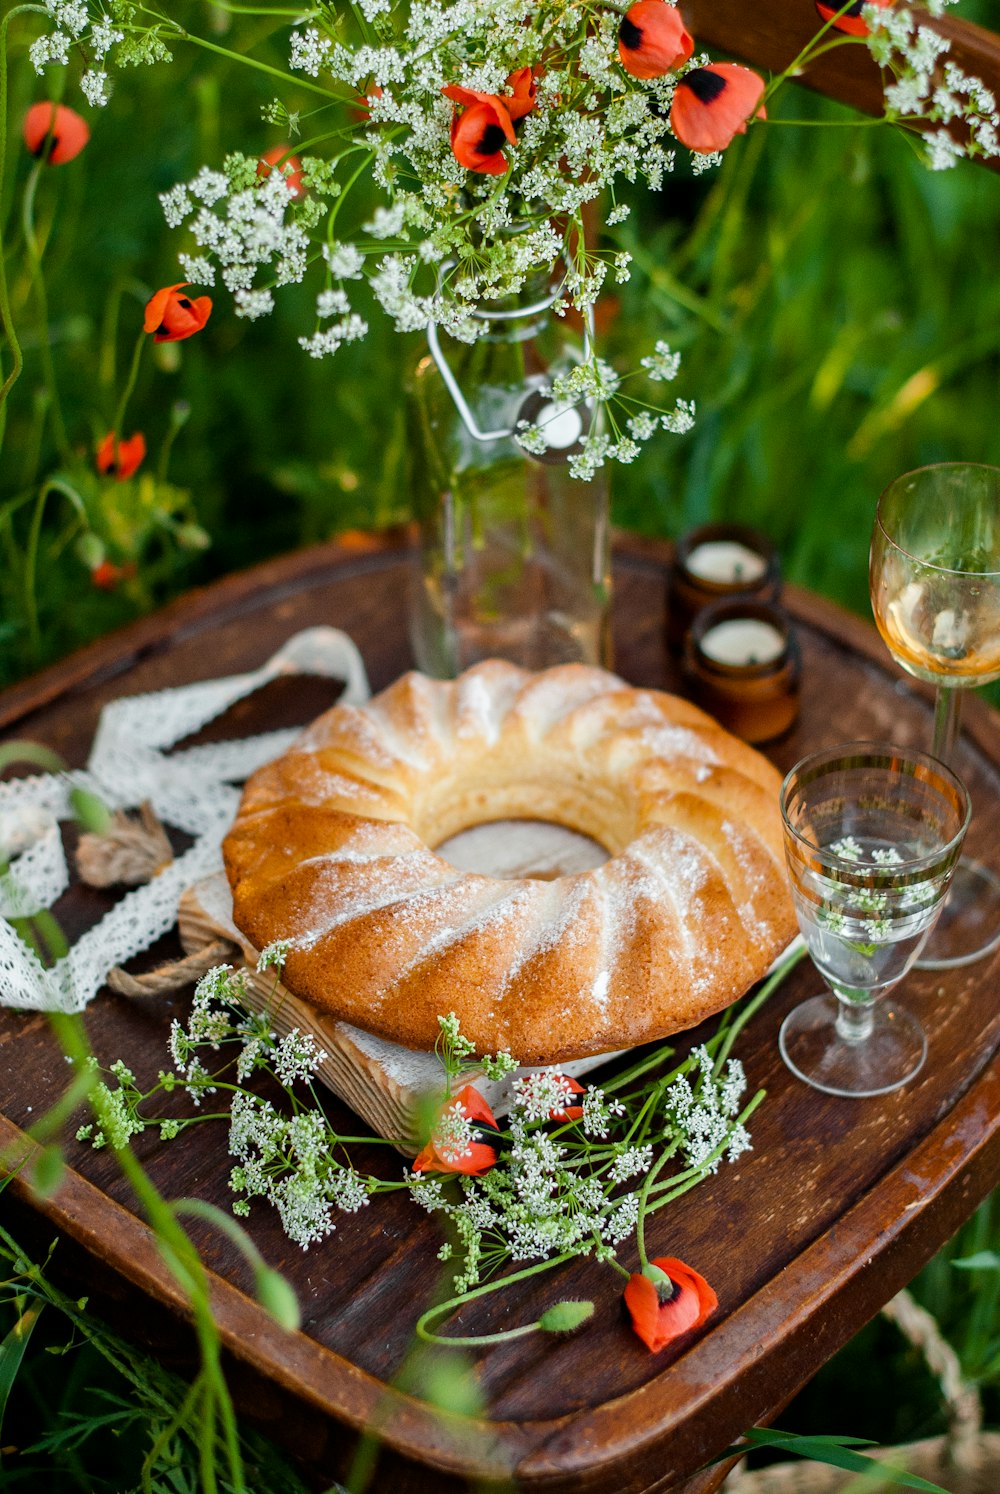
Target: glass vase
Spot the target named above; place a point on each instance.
(514, 558)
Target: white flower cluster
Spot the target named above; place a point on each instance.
(926, 91)
(286, 1160)
(95, 34)
(704, 1107)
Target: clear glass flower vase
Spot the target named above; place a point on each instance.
(514, 558)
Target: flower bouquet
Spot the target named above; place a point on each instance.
(452, 167)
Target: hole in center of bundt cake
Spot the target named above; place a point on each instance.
(522, 848)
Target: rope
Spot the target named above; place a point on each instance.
(127, 854)
(175, 974)
(965, 1408)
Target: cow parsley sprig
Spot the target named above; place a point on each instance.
(574, 1171)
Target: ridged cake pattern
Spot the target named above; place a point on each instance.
(331, 850)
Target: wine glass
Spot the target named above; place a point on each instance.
(872, 835)
(935, 589)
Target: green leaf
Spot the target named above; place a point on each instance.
(91, 813)
(47, 1171)
(565, 1317)
(278, 1296)
(983, 1260)
(12, 1351)
(836, 1451)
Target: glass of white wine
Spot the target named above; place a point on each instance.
(935, 589)
(872, 836)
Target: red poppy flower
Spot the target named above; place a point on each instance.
(666, 1300)
(478, 133)
(171, 317)
(653, 40)
(712, 104)
(289, 166)
(55, 132)
(119, 459)
(568, 1112)
(456, 1144)
(522, 100)
(106, 575)
(850, 19)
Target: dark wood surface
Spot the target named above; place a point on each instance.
(770, 34)
(837, 1206)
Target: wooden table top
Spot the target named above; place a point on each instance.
(837, 1206)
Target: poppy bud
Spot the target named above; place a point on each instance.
(171, 316)
(653, 40)
(119, 459)
(55, 133)
(290, 167)
(848, 19)
(712, 104)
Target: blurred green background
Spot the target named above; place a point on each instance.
(838, 311)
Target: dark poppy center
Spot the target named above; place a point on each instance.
(184, 302)
(490, 141)
(629, 35)
(705, 86)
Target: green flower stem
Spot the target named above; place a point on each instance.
(7, 321)
(133, 373)
(54, 485)
(755, 1003)
(644, 1191)
(432, 1313)
(180, 34)
(41, 297)
(178, 1251)
(681, 1182)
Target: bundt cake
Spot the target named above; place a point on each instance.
(332, 849)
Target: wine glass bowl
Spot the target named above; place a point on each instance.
(872, 836)
(935, 573)
(935, 587)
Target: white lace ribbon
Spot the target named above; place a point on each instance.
(194, 790)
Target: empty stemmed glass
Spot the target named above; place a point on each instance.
(872, 836)
(935, 589)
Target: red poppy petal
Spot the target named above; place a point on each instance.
(157, 305)
(104, 457)
(477, 137)
(476, 1107)
(712, 104)
(653, 40)
(851, 21)
(65, 131)
(684, 1275)
(643, 1306)
(522, 99)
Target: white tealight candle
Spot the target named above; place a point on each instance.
(743, 640)
(725, 562)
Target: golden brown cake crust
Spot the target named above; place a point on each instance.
(331, 850)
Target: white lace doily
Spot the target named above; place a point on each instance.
(194, 790)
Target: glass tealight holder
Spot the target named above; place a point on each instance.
(714, 563)
(743, 667)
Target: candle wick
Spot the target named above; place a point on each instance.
(737, 570)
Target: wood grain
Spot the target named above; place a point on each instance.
(837, 1206)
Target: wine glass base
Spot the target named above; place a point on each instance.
(968, 926)
(892, 1054)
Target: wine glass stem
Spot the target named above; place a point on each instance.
(947, 709)
(854, 1020)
